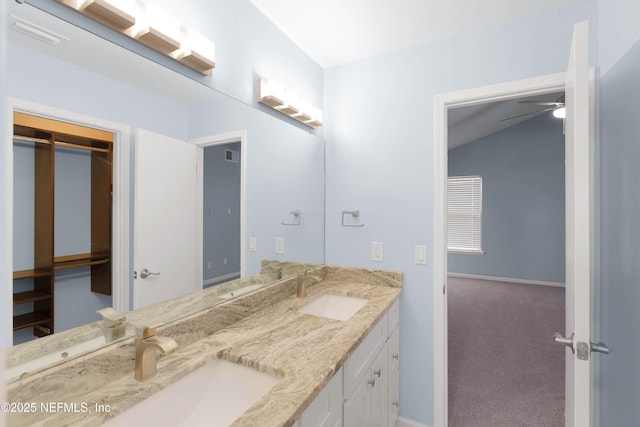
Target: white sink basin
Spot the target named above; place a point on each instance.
(214, 395)
(338, 307)
(241, 291)
(53, 358)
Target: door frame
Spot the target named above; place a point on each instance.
(499, 92)
(211, 141)
(120, 222)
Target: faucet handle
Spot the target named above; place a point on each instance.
(145, 332)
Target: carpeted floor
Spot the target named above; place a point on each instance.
(504, 367)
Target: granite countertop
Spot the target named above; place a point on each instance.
(302, 350)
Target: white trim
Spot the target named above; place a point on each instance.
(405, 422)
(219, 278)
(120, 266)
(510, 90)
(506, 279)
(210, 141)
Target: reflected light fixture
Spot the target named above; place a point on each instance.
(160, 30)
(288, 103)
(120, 14)
(152, 26)
(198, 52)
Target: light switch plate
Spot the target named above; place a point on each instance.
(377, 251)
(253, 244)
(421, 254)
(279, 245)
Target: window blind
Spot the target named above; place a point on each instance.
(465, 214)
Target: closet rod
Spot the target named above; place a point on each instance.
(81, 147)
(31, 139)
(60, 143)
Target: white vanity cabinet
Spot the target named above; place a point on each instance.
(365, 392)
(326, 408)
(368, 374)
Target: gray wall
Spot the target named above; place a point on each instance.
(618, 374)
(221, 230)
(522, 170)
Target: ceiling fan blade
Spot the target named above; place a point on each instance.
(556, 104)
(528, 114)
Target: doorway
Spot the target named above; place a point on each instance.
(118, 263)
(221, 215)
(233, 148)
(505, 299)
(512, 90)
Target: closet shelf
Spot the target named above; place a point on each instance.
(29, 296)
(81, 260)
(30, 319)
(30, 274)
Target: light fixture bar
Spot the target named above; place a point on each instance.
(286, 102)
(117, 14)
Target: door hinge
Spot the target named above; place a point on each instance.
(444, 289)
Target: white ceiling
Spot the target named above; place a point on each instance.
(335, 32)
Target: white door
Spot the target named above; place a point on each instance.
(164, 219)
(579, 231)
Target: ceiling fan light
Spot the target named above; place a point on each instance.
(560, 113)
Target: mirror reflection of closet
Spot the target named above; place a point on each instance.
(62, 225)
(221, 216)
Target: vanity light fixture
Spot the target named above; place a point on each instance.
(160, 30)
(275, 96)
(198, 52)
(270, 93)
(119, 14)
(152, 26)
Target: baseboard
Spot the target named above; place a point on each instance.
(506, 279)
(405, 422)
(233, 275)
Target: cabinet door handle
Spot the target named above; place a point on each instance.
(372, 382)
(377, 373)
(395, 356)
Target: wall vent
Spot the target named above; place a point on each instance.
(232, 156)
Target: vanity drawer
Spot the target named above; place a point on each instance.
(357, 365)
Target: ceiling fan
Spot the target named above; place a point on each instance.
(556, 106)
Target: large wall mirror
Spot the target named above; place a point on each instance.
(257, 183)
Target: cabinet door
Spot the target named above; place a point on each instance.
(356, 368)
(326, 408)
(379, 390)
(394, 354)
(393, 401)
(357, 410)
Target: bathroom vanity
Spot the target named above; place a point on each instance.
(313, 367)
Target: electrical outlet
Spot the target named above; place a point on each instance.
(225, 261)
(377, 251)
(209, 265)
(279, 245)
(253, 244)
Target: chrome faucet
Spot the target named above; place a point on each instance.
(146, 357)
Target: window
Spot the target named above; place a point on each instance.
(465, 214)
